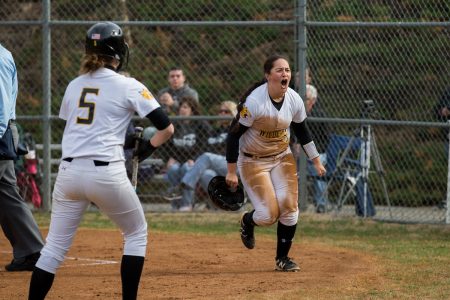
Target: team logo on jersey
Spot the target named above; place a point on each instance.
(244, 112)
(146, 94)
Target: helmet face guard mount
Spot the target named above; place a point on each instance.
(107, 39)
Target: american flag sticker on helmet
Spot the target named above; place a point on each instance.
(95, 36)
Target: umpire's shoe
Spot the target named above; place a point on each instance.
(247, 233)
(286, 264)
(23, 264)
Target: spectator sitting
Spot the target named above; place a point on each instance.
(170, 97)
(184, 147)
(321, 132)
(442, 112)
(211, 163)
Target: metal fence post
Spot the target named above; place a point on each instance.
(301, 67)
(46, 111)
(447, 215)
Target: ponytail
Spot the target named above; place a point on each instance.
(246, 94)
(93, 62)
(235, 123)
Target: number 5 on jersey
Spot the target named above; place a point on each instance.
(89, 105)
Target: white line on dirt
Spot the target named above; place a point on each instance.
(84, 261)
(89, 262)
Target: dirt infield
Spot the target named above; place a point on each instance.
(201, 267)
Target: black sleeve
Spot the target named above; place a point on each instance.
(235, 131)
(159, 118)
(302, 133)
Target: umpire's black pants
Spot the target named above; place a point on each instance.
(16, 219)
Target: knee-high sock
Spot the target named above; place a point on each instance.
(248, 218)
(130, 272)
(40, 284)
(285, 235)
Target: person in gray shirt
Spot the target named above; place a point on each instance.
(170, 97)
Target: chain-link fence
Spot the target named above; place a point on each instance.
(394, 53)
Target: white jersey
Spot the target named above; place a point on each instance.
(98, 108)
(269, 132)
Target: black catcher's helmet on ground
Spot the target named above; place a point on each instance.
(221, 195)
(107, 39)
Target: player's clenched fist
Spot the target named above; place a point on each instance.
(144, 149)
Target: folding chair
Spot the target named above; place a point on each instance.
(343, 165)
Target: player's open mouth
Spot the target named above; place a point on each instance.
(284, 83)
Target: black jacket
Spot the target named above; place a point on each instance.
(188, 141)
(217, 142)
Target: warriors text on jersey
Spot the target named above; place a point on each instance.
(269, 128)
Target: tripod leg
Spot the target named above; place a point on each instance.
(361, 200)
(380, 172)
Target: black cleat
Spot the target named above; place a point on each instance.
(286, 264)
(247, 234)
(23, 264)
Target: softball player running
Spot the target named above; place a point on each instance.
(258, 144)
(98, 106)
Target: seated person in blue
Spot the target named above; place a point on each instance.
(321, 133)
(186, 145)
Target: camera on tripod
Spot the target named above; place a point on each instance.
(368, 109)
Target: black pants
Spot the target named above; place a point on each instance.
(16, 219)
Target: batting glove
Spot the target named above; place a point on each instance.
(144, 150)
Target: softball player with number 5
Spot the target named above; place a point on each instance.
(258, 144)
(98, 106)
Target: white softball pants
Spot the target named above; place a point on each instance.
(80, 182)
(272, 187)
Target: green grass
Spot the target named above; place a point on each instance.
(416, 257)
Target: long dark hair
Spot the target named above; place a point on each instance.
(193, 104)
(268, 65)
